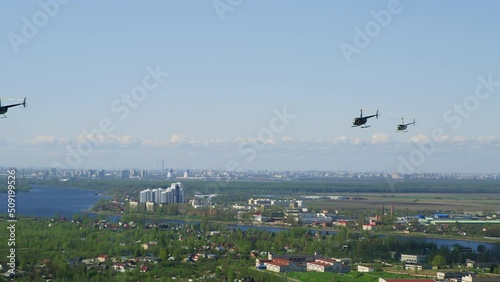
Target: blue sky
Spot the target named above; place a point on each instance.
(229, 72)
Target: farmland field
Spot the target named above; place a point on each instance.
(463, 202)
(349, 277)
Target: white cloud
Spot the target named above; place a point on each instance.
(420, 138)
(380, 138)
(459, 139)
(151, 143)
(108, 140)
(47, 140)
(300, 141)
(288, 139)
(214, 142)
(442, 138)
(178, 139)
(341, 140)
(357, 141)
(253, 140)
(285, 150)
(487, 139)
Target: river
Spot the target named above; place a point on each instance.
(44, 201)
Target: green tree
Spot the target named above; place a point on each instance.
(439, 261)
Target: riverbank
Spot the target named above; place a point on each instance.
(447, 240)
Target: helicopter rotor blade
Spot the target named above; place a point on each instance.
(11, 99)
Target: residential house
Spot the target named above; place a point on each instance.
(450, 275)
(414, 266)
(342, 223)
(120, 267)
(327, 265)
(278, 265)
(369, 227)
(470, 278)
(284, 265)
(319, 267)
(366, 268)
(484, 264)
(102, 258)
(260, 263)
(413, 258)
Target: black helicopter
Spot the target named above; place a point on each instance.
(4, 109)
(403, 126)
(361, 120)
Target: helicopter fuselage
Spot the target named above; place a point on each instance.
(359, 121)
(402, 127)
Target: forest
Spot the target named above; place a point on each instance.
(237, 190)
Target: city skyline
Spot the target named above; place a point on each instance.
(251, 85)
(203, 174)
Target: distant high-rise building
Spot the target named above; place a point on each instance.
(172, 195)
(396, 175)
(146, 196)
(125, 174)
(178, 192)
(170, 173)
(164, 197)
(186, 173)
(157, 195)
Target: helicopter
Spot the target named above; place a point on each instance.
(361, 120)
(4, 109)
(403, 125)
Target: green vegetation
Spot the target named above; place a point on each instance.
(68, 251)
(21, 184)
(240, 190)
(54, 249)
(348, 277)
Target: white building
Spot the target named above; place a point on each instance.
(327, 265)
(413, 258)
(172, 195)
(365, 268)
(146, 196)
(470, 278)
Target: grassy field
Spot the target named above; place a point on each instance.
(349, 277)
(463, 202)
